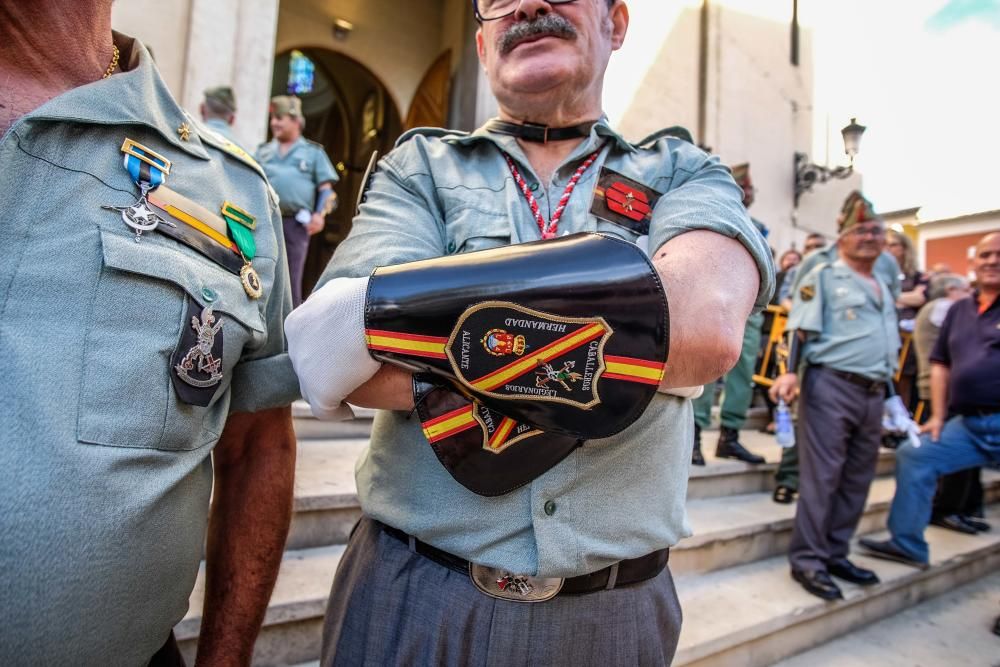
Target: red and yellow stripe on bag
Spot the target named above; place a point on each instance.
(499, 377)
(449, 424)
(633, 370)
(404, 343)
(503, 432)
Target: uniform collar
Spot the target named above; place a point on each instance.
(599, 132)
(134, 97)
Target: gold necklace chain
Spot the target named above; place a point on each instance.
(114, 63)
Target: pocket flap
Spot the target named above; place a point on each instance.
(201, 280)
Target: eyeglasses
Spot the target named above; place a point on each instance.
(491, 10)
(874, 232)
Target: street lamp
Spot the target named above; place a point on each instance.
(806, 173)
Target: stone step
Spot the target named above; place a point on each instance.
(754, 615)
(953, 629)
(293, 624)
(734, 530)
(726, 477)
(748, 615)
(307, 427)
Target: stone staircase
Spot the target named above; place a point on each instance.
(740, 606)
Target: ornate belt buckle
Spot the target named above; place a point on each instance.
(503, 585)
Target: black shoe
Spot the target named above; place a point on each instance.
(954, 522)
(729, 447)
(783, 495)
(697, 459)
(980, 526)
(848, 571)
(887, 550)
(818, 583)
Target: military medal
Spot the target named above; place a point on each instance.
(197, 359)
(148, 169)
(241, 225)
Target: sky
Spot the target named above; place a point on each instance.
(922, 76)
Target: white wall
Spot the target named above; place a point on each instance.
(198, 44)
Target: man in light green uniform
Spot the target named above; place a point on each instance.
(218, 111)
(303, 177)
(738, 392)
(138, 343)
(787, 476)
(843, 327)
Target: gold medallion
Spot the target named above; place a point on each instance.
(184, 131)
(251, 281)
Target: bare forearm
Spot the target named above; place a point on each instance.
(913, 299)
(940, 375)
(391, 388)
(711, 283)
(251, 510)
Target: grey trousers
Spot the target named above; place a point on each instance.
(838, 435)
(391, 606)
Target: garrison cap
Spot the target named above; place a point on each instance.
(286, 105)
(856, 209)
(221, 97)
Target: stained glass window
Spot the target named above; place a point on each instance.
(301, 73)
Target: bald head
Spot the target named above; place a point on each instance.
(986, 263)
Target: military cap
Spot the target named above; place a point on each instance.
(286, 105)
(221, 97)
(856, 209)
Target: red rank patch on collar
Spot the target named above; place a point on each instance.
(624, 201)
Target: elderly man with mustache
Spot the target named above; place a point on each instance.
(550, 289)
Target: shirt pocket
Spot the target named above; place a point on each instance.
(846, 306)
(139, 313)
(470, 230)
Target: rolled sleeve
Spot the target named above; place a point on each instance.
(399, 222)
(264, 377)
(703, 195)
(323, 171)
(807, 313)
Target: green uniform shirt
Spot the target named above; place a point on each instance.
(442, 193)
(296, 174)
(849, 326)
(105, 475)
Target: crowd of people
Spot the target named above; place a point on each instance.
(527, 470)
(877, 352)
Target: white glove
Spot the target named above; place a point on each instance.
(326, 343)
(684, 392)
(896, 419)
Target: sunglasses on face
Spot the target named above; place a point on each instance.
(491, 10)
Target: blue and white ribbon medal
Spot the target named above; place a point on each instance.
(148, 170)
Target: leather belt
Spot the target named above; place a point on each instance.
(866, 383)
(631, 571)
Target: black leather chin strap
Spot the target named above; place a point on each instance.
(539, 133)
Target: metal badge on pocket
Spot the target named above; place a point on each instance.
(197, 360)
(503, 585)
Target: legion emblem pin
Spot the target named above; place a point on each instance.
(199, 367)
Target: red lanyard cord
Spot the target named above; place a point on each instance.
(549, 230)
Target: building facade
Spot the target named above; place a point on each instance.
(737, 73)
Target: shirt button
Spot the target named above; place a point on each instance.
(208, 293)
(550, 507)
(451, 246)
(534, 186)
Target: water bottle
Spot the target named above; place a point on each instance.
(783, 431)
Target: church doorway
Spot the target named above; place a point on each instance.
(350, 112)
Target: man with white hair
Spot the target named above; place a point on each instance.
(440, 568)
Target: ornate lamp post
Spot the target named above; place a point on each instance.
(807, 173)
